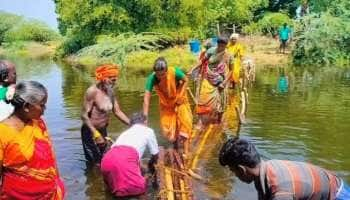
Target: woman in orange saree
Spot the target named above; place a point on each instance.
(175, 113)
(28, 164)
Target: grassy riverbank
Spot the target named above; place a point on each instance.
(29, 49)
(263, 50)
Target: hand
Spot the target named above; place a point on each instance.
(100, 141)
(179, 101)
(189, 73)
(221, 86)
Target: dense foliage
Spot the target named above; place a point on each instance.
(115, 49)
(269, 24)
(14, 28)
(180, 19)
(83, 21)
(324, 38)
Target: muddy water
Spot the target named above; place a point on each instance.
(294, 114)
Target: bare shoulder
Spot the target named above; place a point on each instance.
(91, 92)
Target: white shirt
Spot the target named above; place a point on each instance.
(139, 136)
(5, 110)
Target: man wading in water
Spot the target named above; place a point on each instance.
(99, 100)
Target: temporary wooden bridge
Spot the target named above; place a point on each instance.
(175, 174)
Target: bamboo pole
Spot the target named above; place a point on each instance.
(196, 155)
(172, 164)
(192, 96)
(182, 188)
(161, 173)
(169, 185)
(187, 184)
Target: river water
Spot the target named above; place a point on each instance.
(294, 114)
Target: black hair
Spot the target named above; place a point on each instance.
(284, 24)
(222, 40)
(160, 64)
(137, 118)
(4, 71)
(239, 152)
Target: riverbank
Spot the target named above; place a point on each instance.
(263, 50)
(29, 49)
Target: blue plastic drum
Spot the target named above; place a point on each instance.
(195, 46)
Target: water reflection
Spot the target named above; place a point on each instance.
(306, 119)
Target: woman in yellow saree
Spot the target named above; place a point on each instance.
(175, 113)
(237, 51)
(28, 164)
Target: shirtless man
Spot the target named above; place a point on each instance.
(99, 100)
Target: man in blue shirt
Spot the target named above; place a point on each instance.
(284, 35)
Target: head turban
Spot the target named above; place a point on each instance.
(105, 71)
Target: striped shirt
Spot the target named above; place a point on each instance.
(288, 180)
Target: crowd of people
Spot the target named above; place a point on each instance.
(28, 166)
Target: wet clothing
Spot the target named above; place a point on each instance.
(120, 166)
(175, 120)
(288, 180)
(93, 153)
(139, 137)
(152, 79)
(29, 163)
(121, 171)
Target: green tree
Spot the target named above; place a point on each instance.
(7, 21)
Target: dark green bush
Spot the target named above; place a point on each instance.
(324, 38)
(269, 24)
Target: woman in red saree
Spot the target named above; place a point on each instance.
(28, 164)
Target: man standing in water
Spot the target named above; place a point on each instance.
(281, 179)
(99, 100)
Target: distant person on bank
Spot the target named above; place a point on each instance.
(281, 179)
(121, 165)
(284, 36)
(99, 101)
